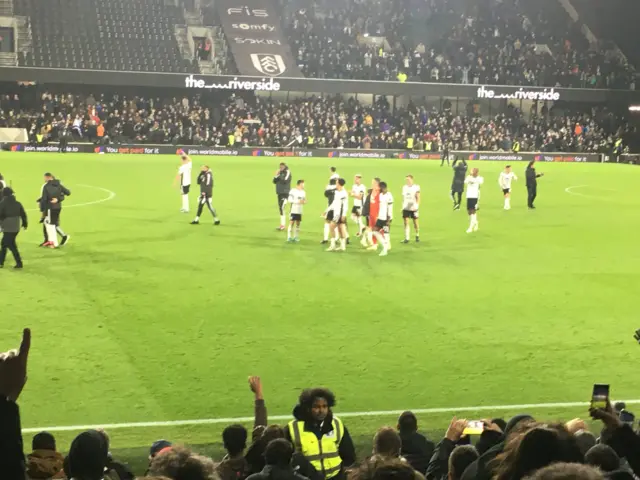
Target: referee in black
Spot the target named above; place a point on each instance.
(282, 181)
(532, 183)
(12, 217)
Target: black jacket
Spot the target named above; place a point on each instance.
(50, 190)
(12, 464)
(439, 463)
(459, 172)
(11, 214)
(205, 180)
(346, 449)
(416, 450)
(627, 445)
(282, 181)
(270, 472)
(532, 177)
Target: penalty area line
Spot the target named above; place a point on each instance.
(111, 196)
(378, 413)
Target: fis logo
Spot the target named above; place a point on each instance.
(249, 12)
(255, 27)
(473, 156)
(16, 148)
(257, 153)
(98, 150)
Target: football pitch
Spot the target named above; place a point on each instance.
(146, 318)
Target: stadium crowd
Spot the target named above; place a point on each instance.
(316, 445)
(488, 42)
(321, 122)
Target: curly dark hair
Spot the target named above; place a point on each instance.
(180, 463)
(310, 394)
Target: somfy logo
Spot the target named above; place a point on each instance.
(249, 12)
(268, 64)
(256, 41)
(520, 94)
(260, 28)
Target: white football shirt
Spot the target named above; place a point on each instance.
(386, 206)
(296, 199)
(410, 197)
(334, 176)
(356, 191)
(185, 174)
(506, 179)
(473, 186)
(340, 204)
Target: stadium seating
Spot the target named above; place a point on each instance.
(104, 35)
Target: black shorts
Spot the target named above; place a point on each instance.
(381, 226)
(296, 217)
(185, 189)
(356, 211)
(506, 190)
(329, 216)
(472, 203)
(53, 217)
(410, 214)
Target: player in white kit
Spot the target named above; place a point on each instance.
(410, 208)
(184, 177)
(297, 198)
(505, 180)
(383, 223)
(473, 183)
(358, 192)
(339, 208)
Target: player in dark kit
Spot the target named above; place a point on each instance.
(445, 153)
(52, 195)
(532, 183)
(457, 186)
(205, 180)
(282, 181)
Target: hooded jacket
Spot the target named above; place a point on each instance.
(11, 214)
(416, 450)
(50, 190)
(44, 464)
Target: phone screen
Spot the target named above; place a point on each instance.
(600, 396)
(474, 427)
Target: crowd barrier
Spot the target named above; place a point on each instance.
(194, 150)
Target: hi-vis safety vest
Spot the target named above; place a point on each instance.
(428, 146)
(516, 147)
(231, 140)
(323, 455)
(310, 140)
(409, 143)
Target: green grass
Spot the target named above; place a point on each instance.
(144, 317)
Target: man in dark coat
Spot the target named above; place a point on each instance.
(532, 183)
(12, 217)
(416, 449)
(278, 455)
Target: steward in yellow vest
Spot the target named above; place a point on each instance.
(516, 147)
(410, 142)
(319, 436)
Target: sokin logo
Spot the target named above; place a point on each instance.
(255, 27)
(235, 84)
(256, 41)
(520, 94)
(249, 12)
(268, 64)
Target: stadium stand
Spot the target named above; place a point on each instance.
(333, 122)
(513, 450)
(104, 35)
(488, 42)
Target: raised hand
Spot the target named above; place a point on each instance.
(13, 368)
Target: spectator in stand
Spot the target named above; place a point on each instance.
(416, 449)
(386, 447)
(320, 436)
(461, 457)
(278, 456)
(389, 470)
(234, 466)
(567, 471)
(604, 457)
(180, 463)
(44, 461)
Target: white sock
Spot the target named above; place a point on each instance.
(507, 202)
(381, 241)
(343, 243)
(474, 219)
(282, 220)
(297, 230)
(289, 232)
(337, 234)
(407, 232)
(370, 237)
(387, 237)
(361, 224)
(326, 232)
(333, 243)
(52, 235)
(185, 202)
(471, 221)
(197, 219)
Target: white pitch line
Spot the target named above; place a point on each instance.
(379, 413)
(111, 196)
